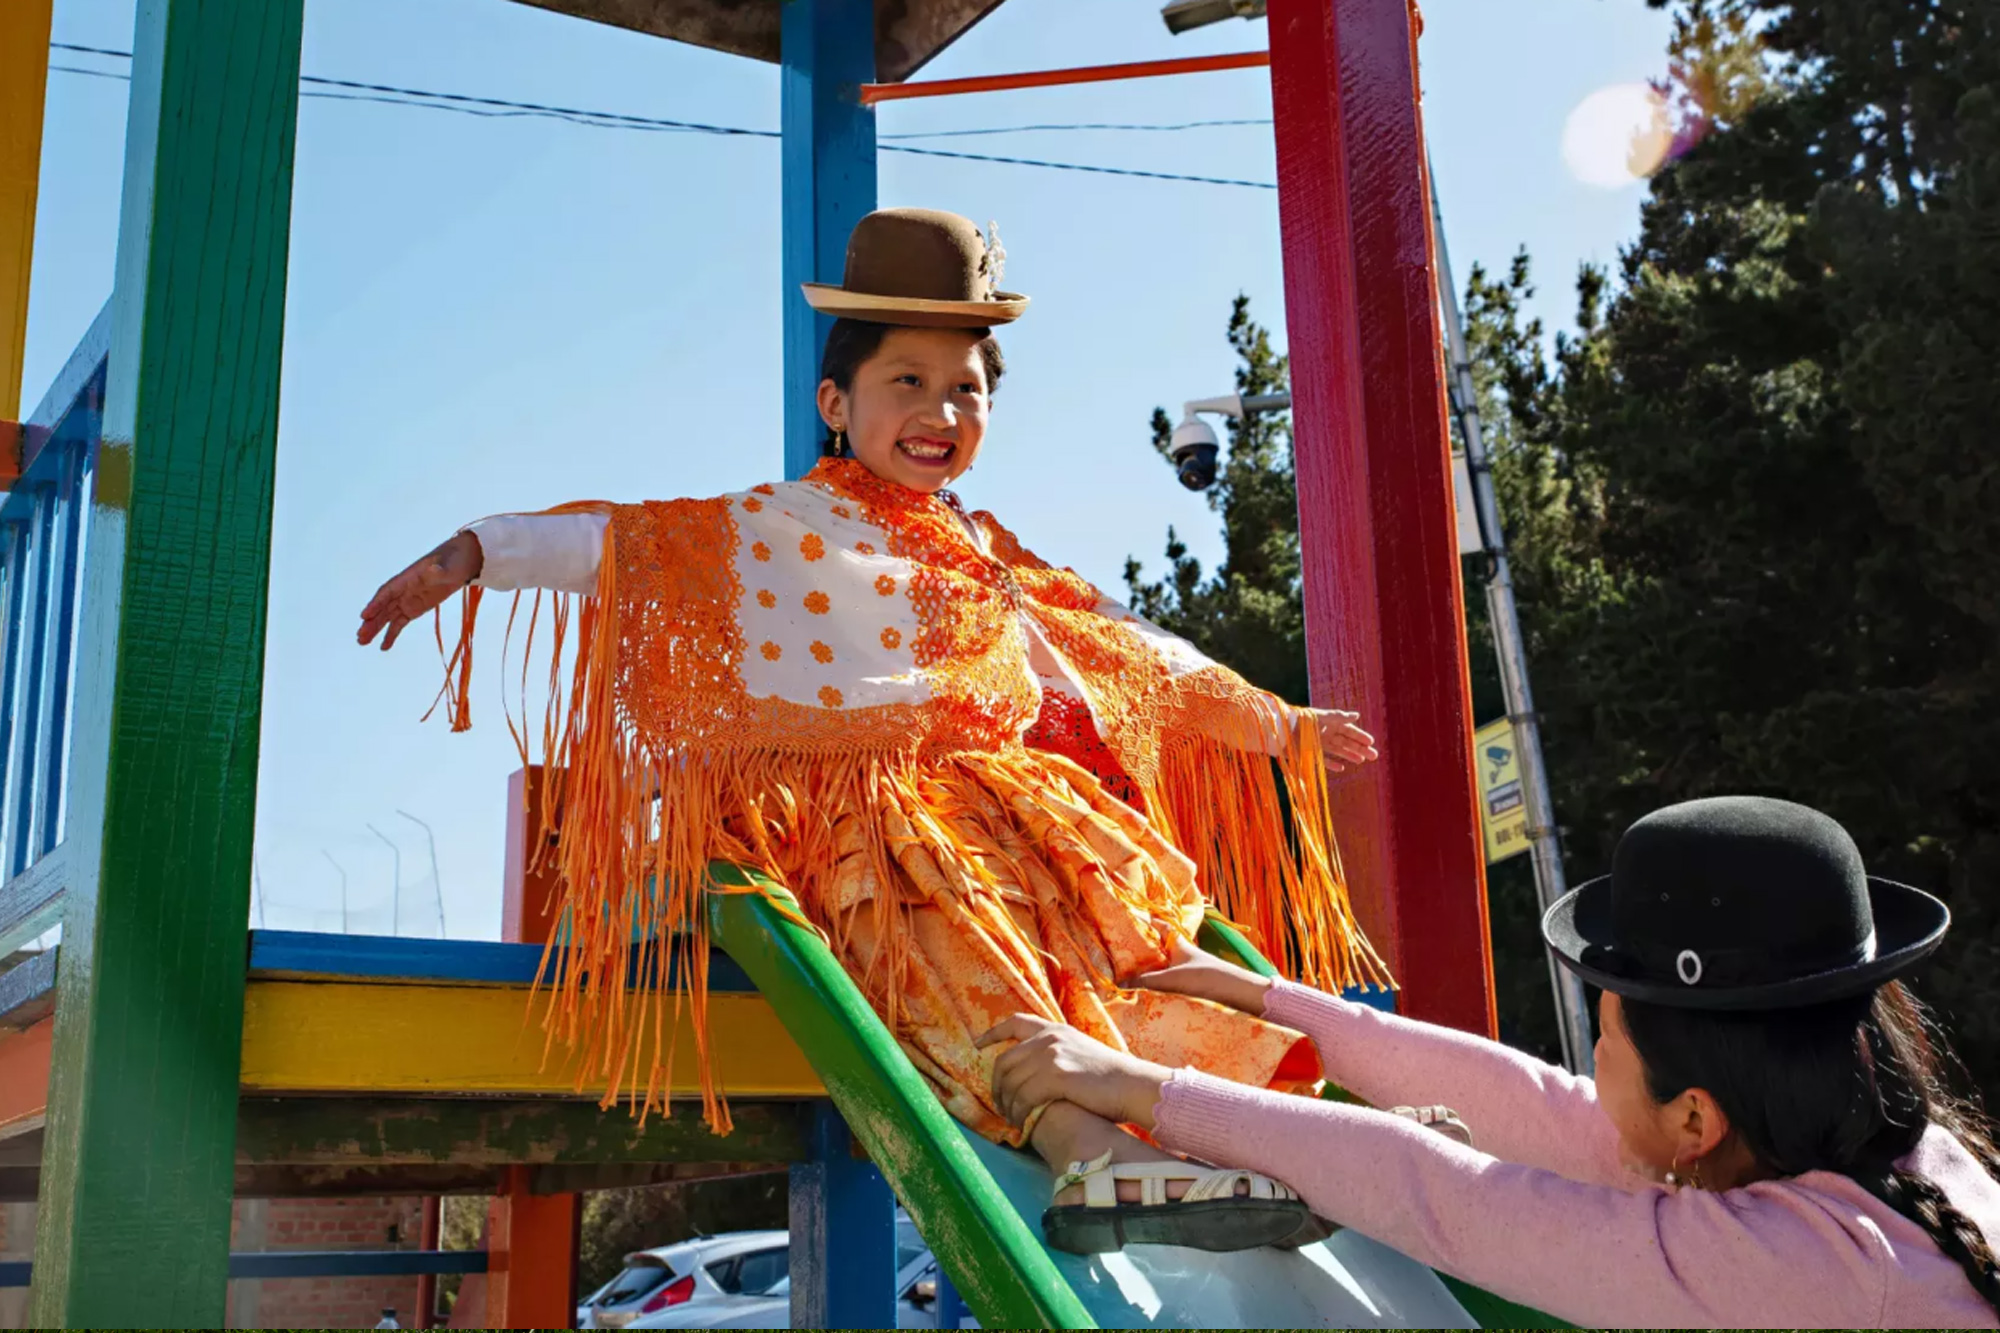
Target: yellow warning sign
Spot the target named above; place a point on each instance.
(1503, 813)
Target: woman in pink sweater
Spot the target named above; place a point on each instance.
(1768, 1141)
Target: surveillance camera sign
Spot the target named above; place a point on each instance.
(1503, 814)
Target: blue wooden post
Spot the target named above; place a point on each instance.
(951, 1311)
(843, 1234)
(828, 48)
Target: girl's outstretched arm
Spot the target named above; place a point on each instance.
(560, 551)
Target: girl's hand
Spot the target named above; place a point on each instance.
(420, 588)
(1053, 1062)
(1194, 971)
(1341, 738)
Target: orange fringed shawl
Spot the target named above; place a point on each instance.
(752, 665)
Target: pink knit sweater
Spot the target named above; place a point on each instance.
(1545, 1214)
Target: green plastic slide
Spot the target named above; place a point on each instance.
(978, 1206)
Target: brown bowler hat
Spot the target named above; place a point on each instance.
(921, 267)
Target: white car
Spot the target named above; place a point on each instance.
(741, 1281)
(690, 1278)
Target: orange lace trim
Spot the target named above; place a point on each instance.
(659, 762)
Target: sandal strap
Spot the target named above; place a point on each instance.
(1093, 1176)
(1100, 1180)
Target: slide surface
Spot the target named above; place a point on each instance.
(979, 1206)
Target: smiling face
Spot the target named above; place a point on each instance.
(916, 410)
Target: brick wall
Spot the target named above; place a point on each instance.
(324, 1224)
(283, 1224)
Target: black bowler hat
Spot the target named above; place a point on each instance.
(1741, 902)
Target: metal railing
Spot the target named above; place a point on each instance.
(41, 580)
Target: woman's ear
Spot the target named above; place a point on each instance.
(832, 405)
(1703, 1125)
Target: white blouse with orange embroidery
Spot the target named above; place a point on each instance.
(561, 552)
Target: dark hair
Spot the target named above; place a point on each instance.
(1849, 1087)
(852, 341)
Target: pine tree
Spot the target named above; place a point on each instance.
(1786, 402)
(1248, 613)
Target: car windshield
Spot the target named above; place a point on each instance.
(638, 1279)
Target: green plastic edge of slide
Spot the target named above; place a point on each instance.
(997, 1264)
(1220, 938)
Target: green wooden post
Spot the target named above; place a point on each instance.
(137, 1162)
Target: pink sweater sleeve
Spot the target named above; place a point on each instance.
(1518, 1108)
(1591, 1254)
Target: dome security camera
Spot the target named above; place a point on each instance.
(1194, 449)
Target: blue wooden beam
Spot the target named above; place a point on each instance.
(310, 954)
(843, 1222)
(318, 1263)
(828, 52)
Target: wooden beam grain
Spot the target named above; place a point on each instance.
(1385, 615)
(138, 1163)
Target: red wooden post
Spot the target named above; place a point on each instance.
(531, 1256)
(1385, 620)
(531, 1268)
(427, 1284)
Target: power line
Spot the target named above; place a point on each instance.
(503, 108)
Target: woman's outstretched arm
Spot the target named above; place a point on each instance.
(1772, 1255)
(1517, 1107)
(1593, 1254)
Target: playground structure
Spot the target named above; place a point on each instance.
(153, 1065)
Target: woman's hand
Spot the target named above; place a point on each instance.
(1053, 1062)
(1194, 971)
(420, 588)
(1341, 738)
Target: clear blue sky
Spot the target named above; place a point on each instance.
(495, 314)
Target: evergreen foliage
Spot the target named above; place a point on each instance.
(1753, 501)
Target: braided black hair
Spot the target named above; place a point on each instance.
(852, 341)
(1848, 1087)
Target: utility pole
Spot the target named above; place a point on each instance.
(396, 888)
(436, 882)
(1572, 1008)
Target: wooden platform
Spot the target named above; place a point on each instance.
(379, 1066)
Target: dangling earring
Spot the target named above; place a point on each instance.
(1694, 1175)
(840, 441)
(1673, 1176)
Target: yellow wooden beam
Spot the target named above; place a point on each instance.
(309, 1037)
(316, 1036)
(24, 78)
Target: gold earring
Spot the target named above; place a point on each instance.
(1673, 1172)
(840, 441)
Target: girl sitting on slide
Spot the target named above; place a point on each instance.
(992, 789)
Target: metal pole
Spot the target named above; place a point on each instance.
(1572, 1008)
(396, 888)
(436, 883)
(343, 887)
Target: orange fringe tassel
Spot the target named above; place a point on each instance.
(639, 825)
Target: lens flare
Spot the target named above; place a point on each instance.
(1618, 136)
